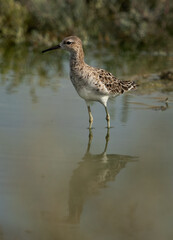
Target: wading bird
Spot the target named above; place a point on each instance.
(92, 84)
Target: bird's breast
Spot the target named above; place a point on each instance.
(85, 89)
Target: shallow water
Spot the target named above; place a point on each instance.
(60, 181)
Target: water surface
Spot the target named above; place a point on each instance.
(60, 181)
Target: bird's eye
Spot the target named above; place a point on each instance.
(68, 42)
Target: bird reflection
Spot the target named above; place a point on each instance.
(92, 174)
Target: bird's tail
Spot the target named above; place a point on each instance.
(128, 85)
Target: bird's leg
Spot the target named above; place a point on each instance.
(107, 140)
(90, 117)
(90, 137)
(107, 117)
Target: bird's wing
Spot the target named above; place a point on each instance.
(113, 84)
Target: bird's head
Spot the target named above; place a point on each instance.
(71, 44)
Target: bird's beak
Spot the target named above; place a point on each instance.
(52, 48)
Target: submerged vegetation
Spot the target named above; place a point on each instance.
(131, 22)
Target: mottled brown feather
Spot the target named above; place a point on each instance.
(114, 85)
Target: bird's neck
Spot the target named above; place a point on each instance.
(77, 59)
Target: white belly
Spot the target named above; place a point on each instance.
(87, 90)
(90, 95)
